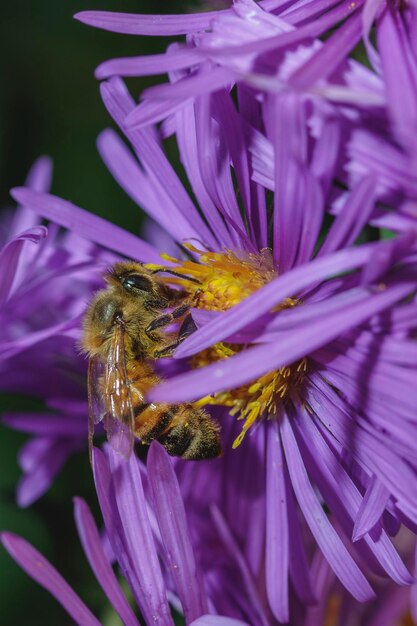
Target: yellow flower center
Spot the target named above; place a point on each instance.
(217, 282)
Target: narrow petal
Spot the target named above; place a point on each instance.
(138, 537)
(10, 256)
(38, 568)
(162, 178)
(330, 55)
(301, 576)
(276, 547)
(352, 218)
(329, 542)
(154, 25)
(217, 620)
(400, 74)
(195, 85)
(316, 27)
(193, 158)
(371, 509)
(172, 521)
(289, 137)
(136, 183)
(343, 497)
(33, 485)
(232, 547)
(370, 453)
(149, 65)
(39, 178)
(93, 548)
(89, 226)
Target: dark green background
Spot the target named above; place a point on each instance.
(50, 104)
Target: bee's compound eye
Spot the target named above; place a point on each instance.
(136, 281)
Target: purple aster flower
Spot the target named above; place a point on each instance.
(47, 277)
(146, 525)
(309, 343)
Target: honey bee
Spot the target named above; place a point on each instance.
(123, 335)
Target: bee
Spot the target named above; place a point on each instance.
(123, 335)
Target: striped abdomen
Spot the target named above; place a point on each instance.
(182, 429)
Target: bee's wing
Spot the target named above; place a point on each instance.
(110, 397)
(96, 409)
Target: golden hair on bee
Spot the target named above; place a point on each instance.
(123, 335)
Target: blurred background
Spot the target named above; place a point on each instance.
(50, 104)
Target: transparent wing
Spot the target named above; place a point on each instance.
(96, 408)
(110, 396)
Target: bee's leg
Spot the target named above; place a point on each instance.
(174, 273)
(187, 328)
(155, 304)
(164, 320)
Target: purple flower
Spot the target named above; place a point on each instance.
(47, 277)
(329, 326)
(147, 529)
(305, 314)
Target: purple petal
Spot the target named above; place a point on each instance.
(217, 620)
(327, 152)
(329, 542)
(195, 85)
(10, 256)
(92, 545)
(369, 452)
(231, 546)
(172, 521)
(323, 579)
(352, 218)
(342, 496)
(40, 174)
(12, 348)
(400, 74)
(289, 137)
(152, 112)
(215, 174)
(89, 226)
(33, 485)
(329, 56)
(39, 179)
(132, 179)
(113, 523)
(198, 170)
(149, 65)
(48, 424)
(283, 40)
(155, 25)
(138, 537)
(31, 451)
(38, 568)
(298, 564)
(276, 547)
(371, 508)
(162, 178)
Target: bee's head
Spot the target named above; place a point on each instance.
(138, 282)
